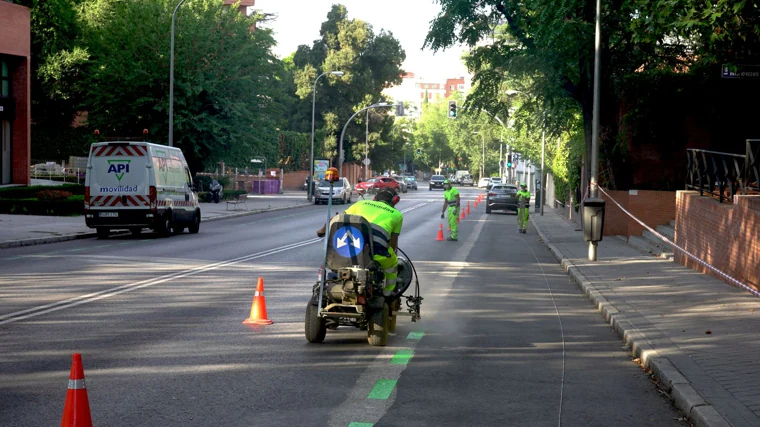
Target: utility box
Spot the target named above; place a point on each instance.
(593, 219)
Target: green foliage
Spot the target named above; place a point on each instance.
(73, 205)
(58, 62)
(32, 191)
(53, 195)
(371, 62)
(226, 86)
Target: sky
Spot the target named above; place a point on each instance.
(298, 22)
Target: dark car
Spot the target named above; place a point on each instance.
(411, 182)
(436, 181)
(502, 197)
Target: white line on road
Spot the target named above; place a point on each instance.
(84, 299)
(95, 296)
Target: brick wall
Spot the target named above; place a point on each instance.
(15, 39)
(294, 180)
(652, 207)
(727, 236)
(21, 141)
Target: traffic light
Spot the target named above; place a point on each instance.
(452, 109)
(509, 160)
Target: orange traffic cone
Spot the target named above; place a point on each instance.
(462, 216)
(468, 208)
(440, 233)
(258, 314)
(76, 410)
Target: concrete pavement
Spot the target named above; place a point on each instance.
(25, 230)
(159, 325)
(696, 334)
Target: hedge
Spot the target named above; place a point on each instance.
(30, 192)
(64, 207)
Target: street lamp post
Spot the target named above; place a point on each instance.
(313, 108)
(543, 153)
(343, 133)
(593, 189)
(171, 79)
(483, 166)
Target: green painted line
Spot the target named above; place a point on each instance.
(76, 250)
(123, 243)
(382, 389)
(101, 246)
(415, 335)
(146, 240)
(12, 258)
(402, 357)
(355, 424)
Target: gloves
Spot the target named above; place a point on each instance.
(442, 216)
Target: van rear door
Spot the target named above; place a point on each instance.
(118, 178)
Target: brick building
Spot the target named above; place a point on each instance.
(15, 102)
(455, 85)
(244, 4)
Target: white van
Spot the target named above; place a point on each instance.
(136, 185)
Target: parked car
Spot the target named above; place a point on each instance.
(402, 184)
(341, 191)
(136, 185)
(483, 183)
(365, 187)
(494, 181)
(502, 197)
(467, 180)
(386, 182)
(411, 182)
(436, 181)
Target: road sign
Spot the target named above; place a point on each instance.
(366, 161)
(740, 71)
(348, 241)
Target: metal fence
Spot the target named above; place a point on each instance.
(723, 175)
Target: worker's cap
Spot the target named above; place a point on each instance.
(523, 185)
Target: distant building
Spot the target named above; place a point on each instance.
(414, 91)
(244, 4)
(15, 99)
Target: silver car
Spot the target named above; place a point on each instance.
(403, 186)
(341, 192)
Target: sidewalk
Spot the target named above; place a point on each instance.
(699, 336)
(24, 230)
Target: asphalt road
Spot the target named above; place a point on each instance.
(158, 323)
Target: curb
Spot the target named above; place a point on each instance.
(88, 235)
(685, 397)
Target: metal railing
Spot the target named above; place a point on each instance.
(723, 175)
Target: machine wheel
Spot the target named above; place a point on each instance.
(377, 333)
(102, 232)
(195, 227)
(314, 327)
(136, 231)
(395, 307)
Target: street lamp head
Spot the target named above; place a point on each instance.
(381, 104)
(512, 92)
(474, 132)
(337, 73)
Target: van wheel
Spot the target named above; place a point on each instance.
(102, 232)
(166, 226)
(136, 231)
(196, 225)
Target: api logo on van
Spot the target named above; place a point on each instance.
(118, 168)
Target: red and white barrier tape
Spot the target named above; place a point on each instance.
(689, 254)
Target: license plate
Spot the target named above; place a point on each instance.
(108, 214)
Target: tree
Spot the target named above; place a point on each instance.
(549, 46)
(371, 62)
(57, 68)
(227, 82)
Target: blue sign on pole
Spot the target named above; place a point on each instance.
(348, 241)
